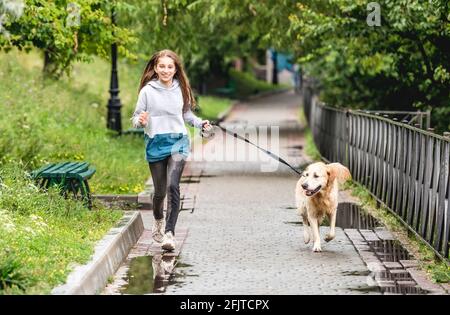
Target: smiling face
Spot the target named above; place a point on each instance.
(314, 178)
(166, 69)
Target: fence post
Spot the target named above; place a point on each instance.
(428, 119)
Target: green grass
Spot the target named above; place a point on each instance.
(310, 147)
(246, 84)
(43, 235)
(48, 121)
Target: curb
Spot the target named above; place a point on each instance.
(143, 199)
(109, 253)
(112, 198)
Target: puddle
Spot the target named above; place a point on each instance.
(395, 279)
(389, 250)
(351, 216)
(153, 274)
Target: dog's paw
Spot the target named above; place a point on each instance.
(329, 237)
(317, 248)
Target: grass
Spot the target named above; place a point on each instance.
(48, 121)
(246, 84)
(310, 148)
(43, 235)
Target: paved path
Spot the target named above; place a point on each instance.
(243, 231)
(244, 236)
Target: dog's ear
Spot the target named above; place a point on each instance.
(339, 172)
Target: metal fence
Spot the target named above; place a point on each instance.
(404, 167)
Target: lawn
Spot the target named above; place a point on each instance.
(65, 120)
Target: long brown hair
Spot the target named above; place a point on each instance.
(150, 74)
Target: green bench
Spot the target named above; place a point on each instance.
(72, 177)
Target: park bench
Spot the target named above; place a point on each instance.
(71, 177)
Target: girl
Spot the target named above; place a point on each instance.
(164, 105)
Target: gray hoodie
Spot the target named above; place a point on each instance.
(165, 108)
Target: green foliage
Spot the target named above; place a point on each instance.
(403, 64)
(65, 120)
(10, 275)
(310, 147)
(65, 31)
(210, 107)
(43, 234)
(246, 84)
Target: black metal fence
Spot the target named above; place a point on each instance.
(404, 167)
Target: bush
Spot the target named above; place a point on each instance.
(246, 84)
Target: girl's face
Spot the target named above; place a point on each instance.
(165, 69)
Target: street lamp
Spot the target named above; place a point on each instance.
(114, 121)
(275, 67)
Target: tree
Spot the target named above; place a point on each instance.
(402, 64)
(65, 31)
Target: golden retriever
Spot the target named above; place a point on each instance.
(316, 195)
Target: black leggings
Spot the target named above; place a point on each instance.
(166, 176)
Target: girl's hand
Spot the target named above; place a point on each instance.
(143, 118)
(207, 129)
(206, 126)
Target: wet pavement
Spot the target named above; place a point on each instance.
(241, 233)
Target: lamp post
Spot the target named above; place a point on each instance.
(275, 67)
(114, 121)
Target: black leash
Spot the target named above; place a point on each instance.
(266, 151)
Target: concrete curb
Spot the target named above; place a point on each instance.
(109, 253)
(112, 198)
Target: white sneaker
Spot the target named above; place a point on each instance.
(158, 230)
(168, 242)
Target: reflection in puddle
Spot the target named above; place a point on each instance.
(351, 216)
(152, 274)
(395, 279)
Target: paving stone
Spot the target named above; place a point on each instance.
(238, 242)
(392, 265)
(409, 263)
(406, 283)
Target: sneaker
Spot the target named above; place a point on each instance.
(158, 230)
(168, 241)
